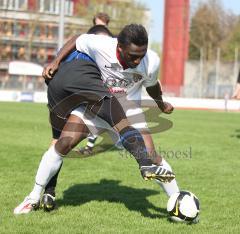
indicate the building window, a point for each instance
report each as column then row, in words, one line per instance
column 21, row 4
column 49, row 6
column 6, row 4
column 14, row 4
column 3, row 4
column 69, row 7
column 53, row 6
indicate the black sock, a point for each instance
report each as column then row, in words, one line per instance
column 50, row 187
column 133, row 142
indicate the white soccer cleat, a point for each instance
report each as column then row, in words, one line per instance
column 26, row 206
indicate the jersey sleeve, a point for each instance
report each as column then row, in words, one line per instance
column 88, row 43
column 152, row 68
column 83, row 43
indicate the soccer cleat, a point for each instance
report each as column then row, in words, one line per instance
column 157, row 172
column 26, row 206
column 48, row 202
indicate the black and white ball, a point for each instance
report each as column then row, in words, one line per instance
column 183, row 206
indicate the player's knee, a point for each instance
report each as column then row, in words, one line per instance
column 64, row 145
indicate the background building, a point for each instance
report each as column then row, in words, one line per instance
column 29, row 31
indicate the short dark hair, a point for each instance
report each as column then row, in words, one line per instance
column 98, row 29
column 133, row 33
column 102, row 16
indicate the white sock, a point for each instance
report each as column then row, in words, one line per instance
column 48, row 167
column 171, row 187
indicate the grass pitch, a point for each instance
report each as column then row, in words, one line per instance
column 105, row 194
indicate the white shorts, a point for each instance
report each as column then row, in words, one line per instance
column 97, row 125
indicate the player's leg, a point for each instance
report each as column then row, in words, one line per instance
column 95, row 125
column 51, row 161
column 58, row 92
column 48, row 198
column 170, row 187
column 111, row 111
column 137, row 119
column 74, row 131
column 90, row 79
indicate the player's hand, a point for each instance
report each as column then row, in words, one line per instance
column 50, row 70
column 166, row 107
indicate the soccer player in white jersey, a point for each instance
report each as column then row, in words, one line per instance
column 121, row 78
column 119, row 67
column 97, row 125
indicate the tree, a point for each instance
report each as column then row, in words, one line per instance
column 232, row 43
column 210, row 26
column 121, row 12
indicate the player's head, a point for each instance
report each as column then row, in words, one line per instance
column 100, row 30
column 101, row 19
column 132, row 44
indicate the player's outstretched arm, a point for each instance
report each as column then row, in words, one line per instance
column 155, row 92
column 51, row 68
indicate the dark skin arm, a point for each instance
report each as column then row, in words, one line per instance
column 51, row 68
column 155, row 92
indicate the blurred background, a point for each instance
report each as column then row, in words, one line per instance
column 198, row 41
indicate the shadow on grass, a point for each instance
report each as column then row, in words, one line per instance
column 99, row 148
column 236, row 134
column 111, row 191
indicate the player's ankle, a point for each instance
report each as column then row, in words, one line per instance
column 50, row 191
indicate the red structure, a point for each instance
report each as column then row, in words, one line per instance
column 175, row 45
column 32, row 5
column 81, row 2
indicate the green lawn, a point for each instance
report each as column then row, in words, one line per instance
column 105, row 194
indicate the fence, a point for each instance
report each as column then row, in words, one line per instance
column 209, row 79
column 202, row 80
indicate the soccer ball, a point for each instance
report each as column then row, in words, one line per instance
column 183, row 206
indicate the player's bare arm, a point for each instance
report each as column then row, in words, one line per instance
column 155, row 93
column 51, row 68
column 236, row 93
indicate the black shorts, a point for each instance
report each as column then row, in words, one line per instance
column 76, row 83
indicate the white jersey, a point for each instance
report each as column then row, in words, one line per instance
column 102, row 49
